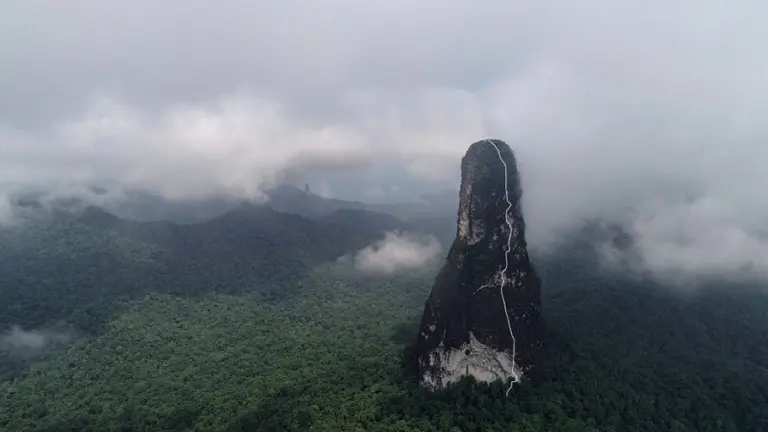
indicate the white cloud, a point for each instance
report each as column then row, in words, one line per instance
column 236, row 146
column 396, row 252
column 700, row 239
column 18, row 341
column 6, row 210
column 17, row 338
column 611, row 107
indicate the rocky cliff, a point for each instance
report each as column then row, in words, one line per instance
column 483, row 315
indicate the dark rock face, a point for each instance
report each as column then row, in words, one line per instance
column 466, row 329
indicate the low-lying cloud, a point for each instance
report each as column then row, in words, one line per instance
column 31, row 343
column 396, row 252
column 692, row 241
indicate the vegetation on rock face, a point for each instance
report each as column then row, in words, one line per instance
column 184, row 345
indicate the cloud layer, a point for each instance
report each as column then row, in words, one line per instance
column 649, row 113
column 397, row 252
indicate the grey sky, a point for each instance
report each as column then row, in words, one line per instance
column 657, row 107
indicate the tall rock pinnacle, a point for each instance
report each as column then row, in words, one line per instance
column 483, row 315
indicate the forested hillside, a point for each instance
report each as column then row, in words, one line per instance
column 81, row 268
column 169, row 338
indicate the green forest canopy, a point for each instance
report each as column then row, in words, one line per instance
column 196, row 348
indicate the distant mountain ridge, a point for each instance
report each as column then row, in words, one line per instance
column 253, row 228
column 97, row 258
column 434, row 214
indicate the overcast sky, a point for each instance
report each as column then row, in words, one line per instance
column 651, row 112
